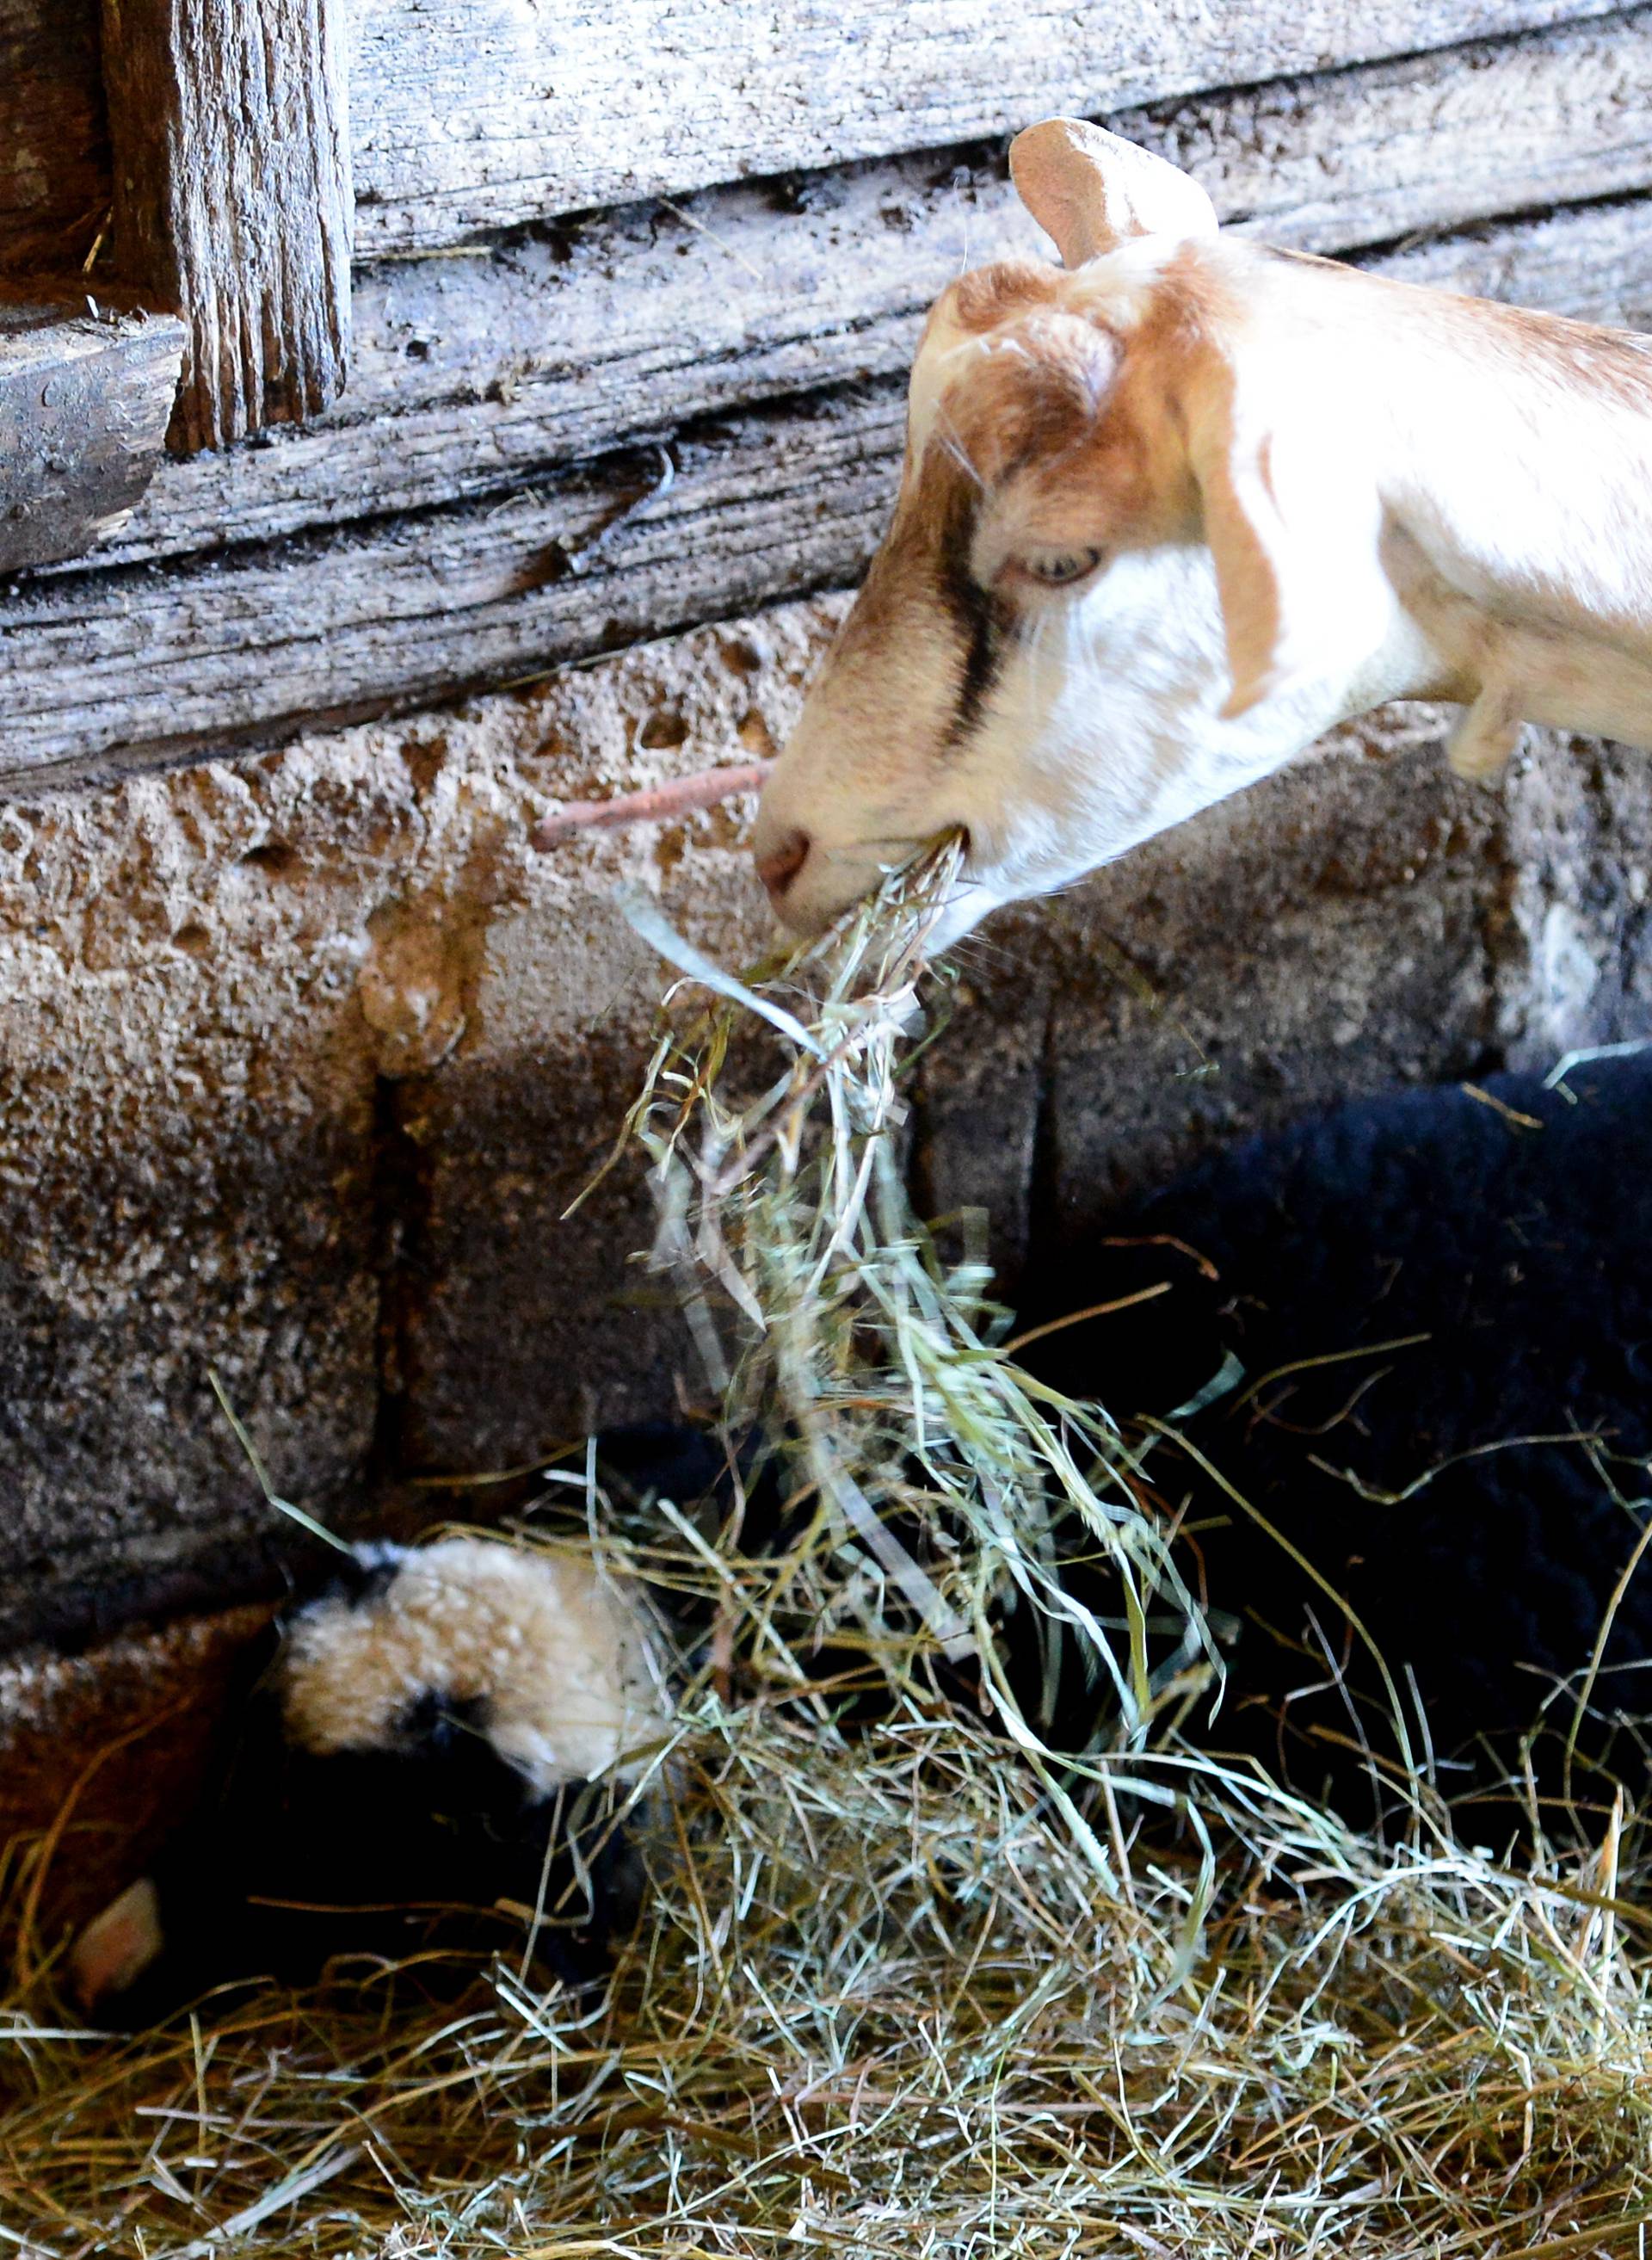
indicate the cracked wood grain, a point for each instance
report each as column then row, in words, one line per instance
column 233, row 198
column 86, row 388
column 110, row 671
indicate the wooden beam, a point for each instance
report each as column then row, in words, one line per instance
column 1346, row 158
column 113, row 669
column 472, row 115
column 233, row 198
column 109, row 671
column 86, row 390
column 457, row 132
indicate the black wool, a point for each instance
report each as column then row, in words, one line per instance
column 1412, row 1284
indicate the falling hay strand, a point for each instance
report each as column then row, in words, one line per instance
column 879, row 1364
column 909, row 1983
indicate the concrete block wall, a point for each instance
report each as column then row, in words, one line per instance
column 305, row 1052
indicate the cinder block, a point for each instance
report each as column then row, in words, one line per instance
column 301, row 1057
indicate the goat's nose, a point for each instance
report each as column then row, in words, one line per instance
column 783, row 862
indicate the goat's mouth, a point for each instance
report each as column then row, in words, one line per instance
column 823, row 880
column 963, row 910
column 935, row 843
column 973, row 895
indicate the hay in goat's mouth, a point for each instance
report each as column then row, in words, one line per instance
column 909, row 1983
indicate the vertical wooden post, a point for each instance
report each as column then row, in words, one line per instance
column 233, row 198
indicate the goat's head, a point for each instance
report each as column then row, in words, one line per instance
column 1122, row 580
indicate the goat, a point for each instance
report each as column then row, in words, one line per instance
column 1171, row 511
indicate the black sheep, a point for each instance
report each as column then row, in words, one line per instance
column 1498, row 1239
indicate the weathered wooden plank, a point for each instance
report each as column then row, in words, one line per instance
column 118, row 668
column 1595, row 264
column 139, row 662
column 478, row 114
column 472, row 373
column 54, row 174
column 1434, row 141
column 86, row 391
column 234, row 199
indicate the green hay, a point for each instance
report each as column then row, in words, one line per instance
column 908, row 1981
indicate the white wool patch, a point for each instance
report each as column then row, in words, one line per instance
column 556, row 1653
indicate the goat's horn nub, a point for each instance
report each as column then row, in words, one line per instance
column 1089, row 190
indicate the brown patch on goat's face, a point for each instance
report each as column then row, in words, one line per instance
column 1072, row 421
column 1047, row 423
column 1034, row 396
column 989, row 296
column 1036, row 437
column 977, row 303
column 925, row 639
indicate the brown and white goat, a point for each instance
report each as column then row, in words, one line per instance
column 1171, row 511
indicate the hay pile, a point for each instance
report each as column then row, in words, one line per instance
column 910, row 1982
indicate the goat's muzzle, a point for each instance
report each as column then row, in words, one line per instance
column 780, row 865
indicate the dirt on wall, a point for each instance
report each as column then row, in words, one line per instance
column 235, row 1003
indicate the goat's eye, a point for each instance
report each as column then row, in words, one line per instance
column 1053, row 569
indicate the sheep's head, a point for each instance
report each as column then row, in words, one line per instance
column 1112, row 592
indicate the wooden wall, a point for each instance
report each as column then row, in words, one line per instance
column 638, row 281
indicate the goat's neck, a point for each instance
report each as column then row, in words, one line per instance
column 1515, row 464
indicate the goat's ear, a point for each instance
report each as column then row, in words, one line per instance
column 1294, row 529
column 1089, row 190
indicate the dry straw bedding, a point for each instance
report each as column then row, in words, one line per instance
column 908, row 1981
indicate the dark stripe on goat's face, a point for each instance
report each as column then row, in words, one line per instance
column 979, row 619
